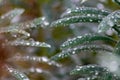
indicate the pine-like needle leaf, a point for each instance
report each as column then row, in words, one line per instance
column 76, row 50
column 17, row 74
column 7, row 30
column 83, row 11
column 29, row 24
column 94, row 72
column 109, row 21
column 88, row 69
column 76, row 19
column 20, row 42
column 25, row 25
column 36, row 59
column 85, row 39
column 11, row 14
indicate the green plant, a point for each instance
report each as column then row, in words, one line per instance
column 107, row 20
column 82, row 50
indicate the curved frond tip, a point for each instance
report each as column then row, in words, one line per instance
column 85, row 39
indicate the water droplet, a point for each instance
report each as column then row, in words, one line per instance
column 19, row 75
column 29, row 42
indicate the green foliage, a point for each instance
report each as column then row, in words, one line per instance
column 94, row 42
column 11, row 14
column 84, row 11
column 33, row 43
column 76, row 50
column 109, row 21
column 19, row 75
column 24, row 39
column 76, row 19
column 22, row 26
column 106, row 20
column 85, row 39
column 96, row 71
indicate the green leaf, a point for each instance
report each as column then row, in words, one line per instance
column 76, row 19
column 16, row 31
column 17, row 74
column 31, row 42
column 35, row 59
column 94, row 72
column 83, row 11
column 11, row 14
column 117, row 48
column 85, row 39
column 109, row 21
column 109, row 76
column 76, row 50
column 88, row 69
column 25, row 25
column 29, row 24
column 24, row 33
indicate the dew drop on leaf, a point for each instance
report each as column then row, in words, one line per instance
column 109, row 21
column 84, row 39
column 17, row 74
column 36, row 59
column 11, row 14
column 21, row 42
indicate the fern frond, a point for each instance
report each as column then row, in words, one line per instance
column 76, row 50
column 76, row 19
column 11, row 14
column 17, row 74
column 85, row 39
column 20, row 42
column 84, row 10
column 109, row 21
